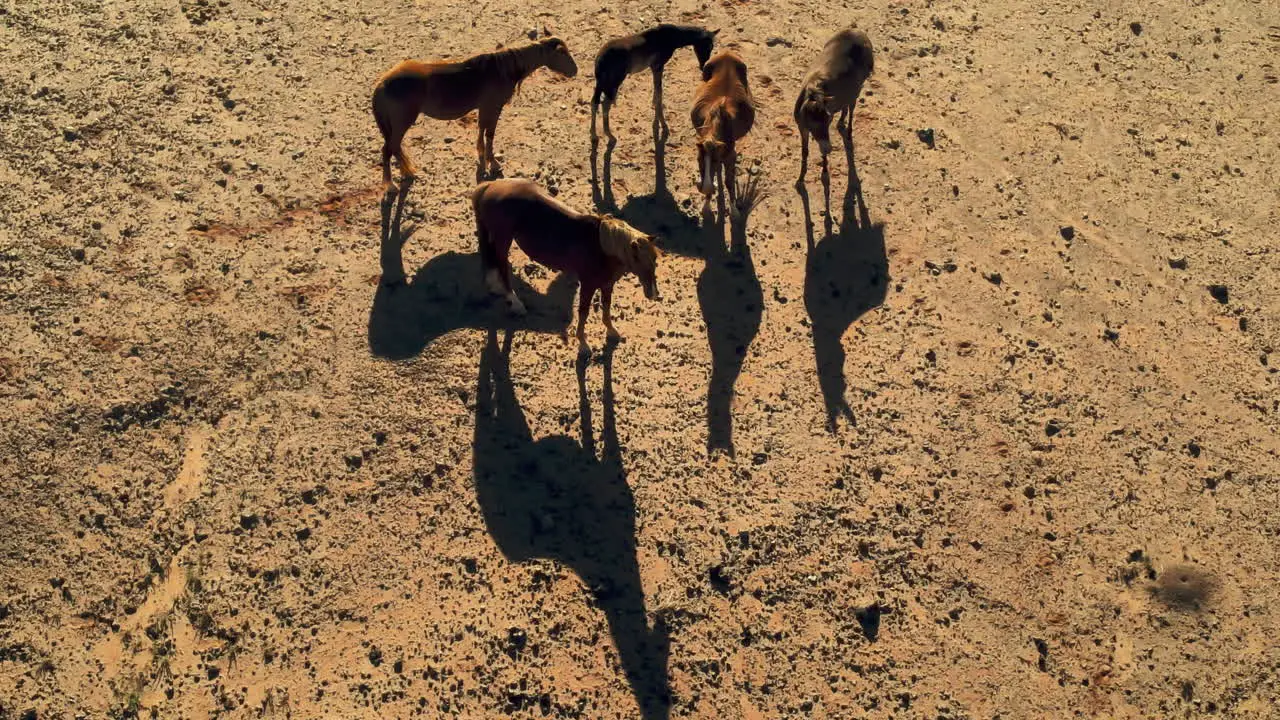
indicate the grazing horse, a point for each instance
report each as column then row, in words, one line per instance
column 632, row 54
column 599, row 249
column 450, row 90
column 833, row 84
column 723, row 112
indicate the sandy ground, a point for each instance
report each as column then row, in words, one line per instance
column 1007, row 447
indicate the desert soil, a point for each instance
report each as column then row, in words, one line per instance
column 1006, row 447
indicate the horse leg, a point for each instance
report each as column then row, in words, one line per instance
column 494, row 168
column 480, row 145
column 585, row 295
column 504, row 261
column 606, row 301
column 659, row 117
column 608, row 103
column 804, row 155
column 731, row 181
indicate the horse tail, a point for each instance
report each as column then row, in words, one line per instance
column 488, row 256
column 380, row 113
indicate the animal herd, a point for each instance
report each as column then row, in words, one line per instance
column 600, row 249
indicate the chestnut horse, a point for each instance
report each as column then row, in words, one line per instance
column 598, row 249
column 723, row 112
column 450, row 90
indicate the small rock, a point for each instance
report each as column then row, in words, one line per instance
column 926, row 137
column 1110, row 335
column 1193, row 449
column 249, row 521
column 1219, row 293
column 225, row 166
column 375, row 656
column 77, row 254
column 70, row 134
column 229, row 104
column 994, row 278
column 516, row 641
column 1178, row 263
column 1052, row 428
column 303, row 534
column 532, row 33
column 868, row 617
column 1136, row 28
column 776, row 41
column 1068, row 232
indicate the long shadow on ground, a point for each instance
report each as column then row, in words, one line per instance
column 447, row 294
column 553, row 498
column 729, row 293
column 846, row 275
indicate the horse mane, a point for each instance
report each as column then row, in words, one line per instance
column 616, row 237
column 509, row 64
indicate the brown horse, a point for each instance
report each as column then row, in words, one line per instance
column 833, row 85
column 598, row 249
column 650, row 49
column 450, row 90
column 723, row 112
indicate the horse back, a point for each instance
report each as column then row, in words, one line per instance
column 548, row 231
column 846, row 63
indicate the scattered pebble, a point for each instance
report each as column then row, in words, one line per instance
column 1219, row 293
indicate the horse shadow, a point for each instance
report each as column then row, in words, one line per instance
column 729, row 293
column 446, row 294
column 553, row 498
column 846, row 275
column 732, row 304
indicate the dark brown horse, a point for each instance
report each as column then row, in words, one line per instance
column 723, row 113
column 449, row 90
column 597, row 248
column 832, row 86
column 650, row 50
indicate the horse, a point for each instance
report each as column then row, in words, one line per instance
column 599, row 249
column 723, row 113
column 450, row 90
column 632, row 54
column 832, row 85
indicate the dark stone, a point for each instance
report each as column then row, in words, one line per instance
column 249, row 522
column 869, row 620
column 1136, row 28
column 1068, row 233
column 719, row 581
column 1219, row 293
column 926, row 137
column 1178, row 263
column 375, row 656
column 1052, row 428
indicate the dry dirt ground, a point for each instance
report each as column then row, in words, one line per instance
column 1007, row 448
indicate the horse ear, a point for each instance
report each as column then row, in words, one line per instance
column 714, row 33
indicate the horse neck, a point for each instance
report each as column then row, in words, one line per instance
column 525, row 60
